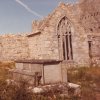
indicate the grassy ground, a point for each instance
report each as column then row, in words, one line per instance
column 19, row 92
column 89, row 79
column 4, row 67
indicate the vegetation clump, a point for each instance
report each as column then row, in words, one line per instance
column 89, row 79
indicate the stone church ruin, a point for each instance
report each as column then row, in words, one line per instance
column 70, row 34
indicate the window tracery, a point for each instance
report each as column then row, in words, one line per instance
column 65, row 39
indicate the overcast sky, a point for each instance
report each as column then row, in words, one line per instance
column 17, row 15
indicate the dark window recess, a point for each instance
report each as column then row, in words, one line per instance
column 58, row 36
column 90, row 49
column 67, row 45
column 64, row 56
column 91, row 29
column 99, row 27
column 71, row 47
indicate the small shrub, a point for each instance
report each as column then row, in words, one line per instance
column 22, row 92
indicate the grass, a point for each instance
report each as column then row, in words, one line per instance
column 4, row 67
column 88, row 78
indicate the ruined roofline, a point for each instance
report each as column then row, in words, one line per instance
column 41, row 22
column 16, row 34
column 33, row 34
column 60, row 5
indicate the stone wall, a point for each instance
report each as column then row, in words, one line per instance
column 13, row 47
column 90, row 15
column 53, row 74
column 84, row 17
column 49, row 35
column 95, row 50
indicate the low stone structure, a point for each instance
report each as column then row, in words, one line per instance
column 39, row 72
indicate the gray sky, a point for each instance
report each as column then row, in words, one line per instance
column 17, row 15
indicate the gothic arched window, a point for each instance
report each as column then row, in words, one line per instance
column 65, row 39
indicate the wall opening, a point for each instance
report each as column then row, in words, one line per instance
column 65, row 39
column 90, row 48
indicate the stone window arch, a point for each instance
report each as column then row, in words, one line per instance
column 64, row 34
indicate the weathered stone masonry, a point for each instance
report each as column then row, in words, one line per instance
column 13, row 47
column 70, row 33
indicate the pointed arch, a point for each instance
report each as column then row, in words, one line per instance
column 64, row 34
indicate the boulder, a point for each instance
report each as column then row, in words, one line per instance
column 76, row 87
